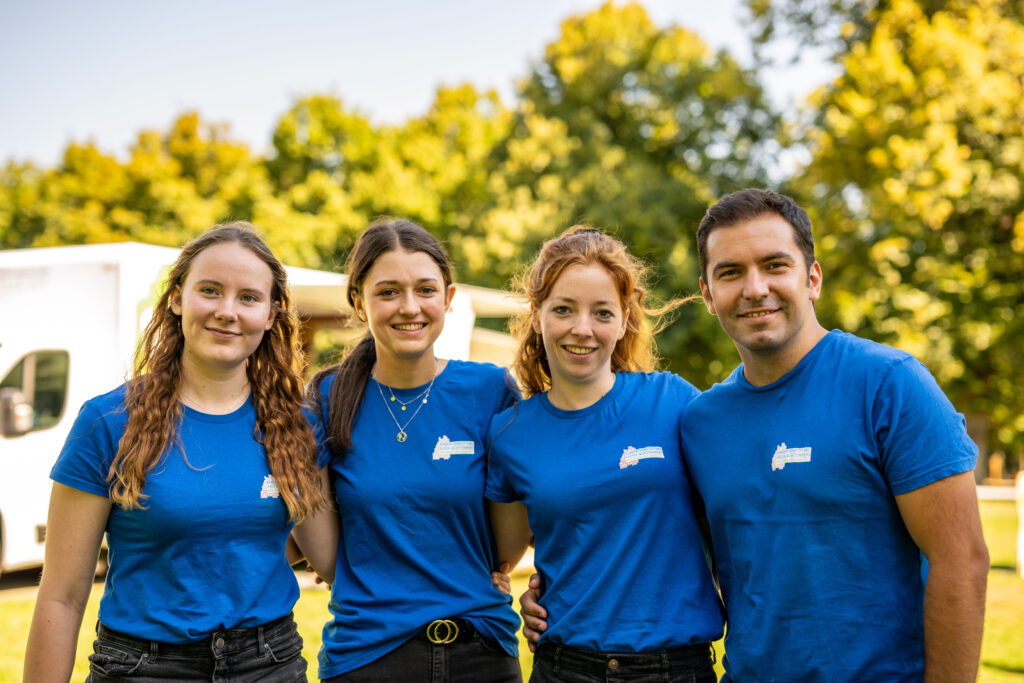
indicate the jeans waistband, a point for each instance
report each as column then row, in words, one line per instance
column 623, row 663
column 224, row 640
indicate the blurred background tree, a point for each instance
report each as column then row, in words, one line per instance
column 914, row 164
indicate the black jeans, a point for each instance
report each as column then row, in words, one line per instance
column 271, row 652
column 559, row 664
column 469, row 659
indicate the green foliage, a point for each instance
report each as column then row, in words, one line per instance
column 914, row 184
column 916, row 189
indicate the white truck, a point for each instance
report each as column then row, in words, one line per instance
column 70, row 318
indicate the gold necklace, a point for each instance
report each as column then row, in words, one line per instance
column 402, row 435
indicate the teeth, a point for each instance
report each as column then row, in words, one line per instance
column 409, row 326
column 759, row 314
column 580, row 350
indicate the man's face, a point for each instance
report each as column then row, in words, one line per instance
column 759, row 287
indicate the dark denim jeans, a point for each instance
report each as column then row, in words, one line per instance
column 474, row 659
column 559, row 664
column 271, row 652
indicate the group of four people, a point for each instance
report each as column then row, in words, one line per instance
column 826, row 466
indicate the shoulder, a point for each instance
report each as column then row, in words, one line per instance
column 864, row 350
column 108, row 406
column 478, row 378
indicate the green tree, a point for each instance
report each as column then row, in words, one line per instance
column 915, row 183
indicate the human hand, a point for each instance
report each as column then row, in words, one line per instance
column 501, row 579
column 533, row 614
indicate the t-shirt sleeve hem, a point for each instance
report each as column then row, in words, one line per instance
column 965, row 464
column 80, row 484
column 499, row 496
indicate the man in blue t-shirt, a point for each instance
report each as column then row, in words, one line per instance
column 828, row 465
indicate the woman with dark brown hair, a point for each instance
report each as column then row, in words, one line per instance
column 403, row 435
column 197, row 469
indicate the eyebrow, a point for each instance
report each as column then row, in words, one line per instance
column 396, row 282
column 572, row 301
column 774, row 256
column 218, row 283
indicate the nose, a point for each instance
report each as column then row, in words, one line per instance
column 226, row 309
column 408, row 304
column 581, row 325
column 755, row 285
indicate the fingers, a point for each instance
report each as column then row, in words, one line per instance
column 503, row 582
column 534, row 580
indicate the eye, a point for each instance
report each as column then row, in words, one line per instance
column 777, row 265
column 208, row 291
column 388, row 292
column 250, row 298
column 606, row 314
column 727, row 273
column 560, row 309
column 428, row 290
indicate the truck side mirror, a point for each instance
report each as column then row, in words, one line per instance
column 15, row 412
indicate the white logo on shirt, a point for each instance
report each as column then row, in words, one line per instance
column 631, row 456
column 784, row 455
column 445, row 448
column 269, row 489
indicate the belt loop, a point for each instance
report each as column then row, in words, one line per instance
column 262, row 644
column 558, row 657
column 154, row 650
column 666, row 664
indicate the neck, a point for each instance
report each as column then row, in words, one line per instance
column 405, row 373
column 567, row 395
column 763, row 369
column 212, row 390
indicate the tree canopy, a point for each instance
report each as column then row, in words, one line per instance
column 916, row 159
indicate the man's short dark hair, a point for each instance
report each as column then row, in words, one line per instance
column 749, row 204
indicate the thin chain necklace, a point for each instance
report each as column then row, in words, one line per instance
column 402, row 435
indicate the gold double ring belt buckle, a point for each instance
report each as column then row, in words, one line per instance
column 442, row 631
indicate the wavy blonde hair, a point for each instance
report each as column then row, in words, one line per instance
column 274, row 371
column 583, row 245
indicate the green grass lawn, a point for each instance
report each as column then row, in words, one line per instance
column 1002, row 656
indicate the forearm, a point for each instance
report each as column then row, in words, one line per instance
column 52, row 641
column 954, row 615
column 511, row 528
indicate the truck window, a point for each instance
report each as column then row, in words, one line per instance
column 43, row 377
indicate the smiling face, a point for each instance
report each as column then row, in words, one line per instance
column 580, row 323
column 762, row 291
column 225, row 306
column 403, row 299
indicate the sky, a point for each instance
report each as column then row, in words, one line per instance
column 103, row 70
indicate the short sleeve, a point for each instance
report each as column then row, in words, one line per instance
column 498, row 487
column 85, row 459
column 921, row 437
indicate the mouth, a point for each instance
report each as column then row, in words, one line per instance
column 755, row 315
column 578, row 351
column 408, row 327
column 223, row 334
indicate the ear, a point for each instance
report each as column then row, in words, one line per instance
column 358, row 307
column 271, row 318
column 175, row 300
column 535, row 319
column 624, row 327
column 449, row 294
column 814, row 281
column 705, row 292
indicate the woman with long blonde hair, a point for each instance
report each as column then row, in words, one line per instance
column 197, row 469
column 593, row 458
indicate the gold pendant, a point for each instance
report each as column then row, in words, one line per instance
column 401, row 436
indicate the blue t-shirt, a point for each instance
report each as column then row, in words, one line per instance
column 208, row 552
column 617, row 543
column 415, row 542
column 821, row 579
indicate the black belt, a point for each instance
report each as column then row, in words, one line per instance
column 233, row 639
column 601, row 663
column 446, row 631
